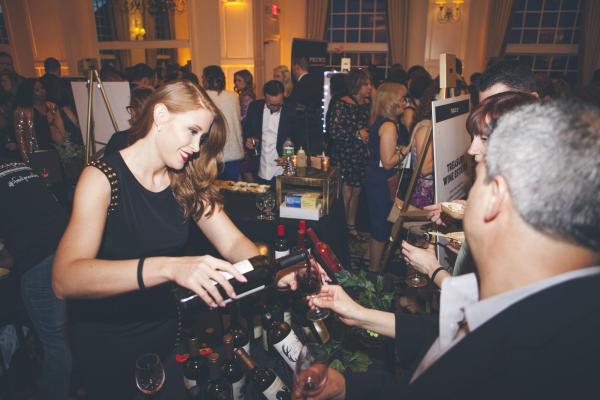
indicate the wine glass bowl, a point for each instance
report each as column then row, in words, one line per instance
column 260, row 206
column 309, row 284
column 149, row 374
column 310, row 375
column 269, row 205
column 416, row 236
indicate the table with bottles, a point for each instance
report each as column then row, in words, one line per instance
column 266, row 333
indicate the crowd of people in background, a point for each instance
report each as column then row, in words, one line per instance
column 374, row 128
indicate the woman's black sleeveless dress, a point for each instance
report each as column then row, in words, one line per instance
column 109, row 334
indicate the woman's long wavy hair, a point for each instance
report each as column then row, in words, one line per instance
column 192, row 186
column 387, row 98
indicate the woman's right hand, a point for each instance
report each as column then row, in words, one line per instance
column 198, row 273
column 337, row 300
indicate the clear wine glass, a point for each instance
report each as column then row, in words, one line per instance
column 309, row 284
column 269, row 202
column 310, row 376
column 260, row 205
column 417, row 236
column 149, row 374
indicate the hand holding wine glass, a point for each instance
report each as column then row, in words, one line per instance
column 334, row 298
column 309, row 281
column 149, row 374
column 416, row 236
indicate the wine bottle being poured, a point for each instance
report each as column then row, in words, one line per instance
column 259, row 271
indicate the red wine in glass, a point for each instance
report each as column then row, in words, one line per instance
column 418, row 237
column 309, row 284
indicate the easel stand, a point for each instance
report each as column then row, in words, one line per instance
column 447, row 77
column 90, row 149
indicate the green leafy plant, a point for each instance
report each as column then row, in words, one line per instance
column 341, row 358
column 366, row 292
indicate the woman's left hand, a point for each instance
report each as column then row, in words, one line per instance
column 423, row 260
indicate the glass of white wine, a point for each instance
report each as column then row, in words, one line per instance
column 149, row 374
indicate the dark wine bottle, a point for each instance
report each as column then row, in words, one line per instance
column 325, row 256
column 271, row 313
column 259, row 271
column 313, row 331
column 264, row 380
column 231, row 371
column 301, row 235
column 285, row 341
column 196, row 367
column 217, row 387
column 281, row 246
column 182, row 355
column 240, row 336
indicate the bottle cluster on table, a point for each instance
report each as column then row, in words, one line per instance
column 267, row 320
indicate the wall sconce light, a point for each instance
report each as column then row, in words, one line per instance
column 137, row 31
column 448, row 10
column 233, row 2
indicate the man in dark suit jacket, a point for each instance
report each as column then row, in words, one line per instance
column 307, row 98
column 528, row 325
column 267, row 124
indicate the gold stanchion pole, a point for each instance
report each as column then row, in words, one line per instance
column 90, row 140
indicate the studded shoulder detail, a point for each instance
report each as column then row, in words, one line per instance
column 111, row 175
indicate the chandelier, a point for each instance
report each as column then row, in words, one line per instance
column 448, row 10
column 154, row 7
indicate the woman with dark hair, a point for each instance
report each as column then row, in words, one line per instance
column 120, row 140
column 424, row 187
column 349, row 131
column 134, row 209
column 213, row 81
column 38, row 124
column 244, row 87
column 479, row 124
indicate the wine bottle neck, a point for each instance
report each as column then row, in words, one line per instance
column 246, row 360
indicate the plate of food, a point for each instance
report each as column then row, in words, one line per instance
column 454, row 210
column 455, row 239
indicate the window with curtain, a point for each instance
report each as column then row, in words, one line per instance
column 128, row 33
column 544, row 36
column 357, row 29
column 3, row 33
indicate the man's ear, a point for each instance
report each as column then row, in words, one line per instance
column 498, row 199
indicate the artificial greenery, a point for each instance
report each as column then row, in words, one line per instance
column 341, row 358
column 366, row 292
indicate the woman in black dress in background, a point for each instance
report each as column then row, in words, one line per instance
column 349, row 132
column 129, row 223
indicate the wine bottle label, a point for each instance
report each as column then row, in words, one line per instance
column 308, row 334
column 246, row 347
column 189, row 383
column 277, row 390
column 279, row 254
column 242, row 267
column 265, row 341
column 258, row 330
column 287, row 317
column 238, row 389
column 322, row 331
column 244, row 294
column 289, row 349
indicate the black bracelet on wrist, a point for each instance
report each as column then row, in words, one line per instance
column 437, row 271
column 140, row 278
